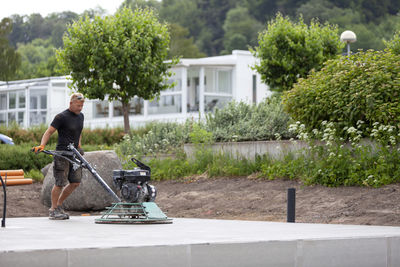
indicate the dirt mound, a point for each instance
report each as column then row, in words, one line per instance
column 244, row 198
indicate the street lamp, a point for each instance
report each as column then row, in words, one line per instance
column 348, row 37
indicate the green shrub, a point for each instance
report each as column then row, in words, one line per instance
column 31, row 135
column 289, row 50
column 364, row 87
column 21, row 157
column 161, row 138
column 106, row 136
column 36, row 175
column 244, row 122
column 227, row 166
column 168, row 169
column 394, row 44
column 335, row 163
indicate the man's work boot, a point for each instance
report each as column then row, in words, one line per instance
column 58, row 214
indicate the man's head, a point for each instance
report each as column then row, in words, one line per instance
column 76, row 103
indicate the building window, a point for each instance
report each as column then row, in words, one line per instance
column 177, row 85
column 21, row 99
column 12, row 100
column 3, row 101
column 136, row 106
column 38, row 106
column 166, row 104
column 100, row 109
column 3, row 120
column 37, row 117
column 13, row 107
column 193, row 90
column 224, row 79
column 219, row 81
column 218, row 90
column 212, row 102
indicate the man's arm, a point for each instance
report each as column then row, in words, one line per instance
column 46, row 136
column 80, row 144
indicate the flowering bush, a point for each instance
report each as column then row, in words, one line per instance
column 363, row 87
column 335, row 161
column 244, row 122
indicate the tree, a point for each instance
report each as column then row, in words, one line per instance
column 181, row 45
column 240, row 29
column 370, row 33
column 362, row 87
column 133, row 4
column 118, row 56
column 394, row 44
column 38, row 59
column 290, row 50
column 9, row 58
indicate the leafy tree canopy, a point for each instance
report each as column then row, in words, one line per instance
column 9, row 58
column 288, row 50
column 38, row 59
column 118, row 56
column 394, row 44
column 133, row 4
column 363, row 87
column 181, row 44
column 241, row 29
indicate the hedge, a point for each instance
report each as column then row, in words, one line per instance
column 363, row 87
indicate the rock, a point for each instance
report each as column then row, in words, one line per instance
column 90, row 195
column 45, row 169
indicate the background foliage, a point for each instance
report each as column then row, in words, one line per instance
column 394, row 44
column 289, row 50
column 33, row 135
column 10, row 60
column 364, row 87
column 120, row 56
column 244, row 122
column 215, row 27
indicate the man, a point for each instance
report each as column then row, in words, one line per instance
column 69, row 125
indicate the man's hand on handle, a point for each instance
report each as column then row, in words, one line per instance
column 38, row 149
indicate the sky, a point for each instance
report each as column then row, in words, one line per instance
column 45, row 7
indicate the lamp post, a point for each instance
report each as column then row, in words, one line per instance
column 348, row 37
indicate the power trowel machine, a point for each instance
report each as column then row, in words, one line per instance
column 138, row 196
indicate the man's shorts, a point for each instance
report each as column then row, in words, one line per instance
column 63, row 172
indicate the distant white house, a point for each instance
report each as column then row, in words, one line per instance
column 200, row 86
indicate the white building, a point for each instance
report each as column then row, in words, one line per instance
column 200, row 86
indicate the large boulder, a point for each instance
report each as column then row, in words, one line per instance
column 90, row 195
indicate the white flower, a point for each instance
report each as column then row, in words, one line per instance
column 351, row 130
column 315, row 131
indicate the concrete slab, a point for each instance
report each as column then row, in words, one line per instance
column 195, row 242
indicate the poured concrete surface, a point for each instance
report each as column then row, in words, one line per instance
column 195, row 242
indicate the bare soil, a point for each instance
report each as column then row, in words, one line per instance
column 245, row 198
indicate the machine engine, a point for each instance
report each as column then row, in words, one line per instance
column 134, row 184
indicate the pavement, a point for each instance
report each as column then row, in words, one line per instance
column 79, row 241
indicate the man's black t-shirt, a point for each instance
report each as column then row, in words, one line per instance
column 69, row 127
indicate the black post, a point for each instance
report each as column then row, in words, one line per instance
column 291, row 205
column 3, row 183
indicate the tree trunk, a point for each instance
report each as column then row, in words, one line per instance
column 125, row 110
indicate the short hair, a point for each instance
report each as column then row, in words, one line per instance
column 77, row 96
